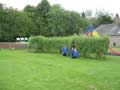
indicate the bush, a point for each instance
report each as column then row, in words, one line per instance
column 50, row 45
column 87, row 46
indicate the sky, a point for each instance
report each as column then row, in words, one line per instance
column 112, row 6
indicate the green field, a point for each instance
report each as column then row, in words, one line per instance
column 21, row 70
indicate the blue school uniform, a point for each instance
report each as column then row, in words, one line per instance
column 74, row 54
column 65, row 51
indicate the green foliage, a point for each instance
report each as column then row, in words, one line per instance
column 105, row 19
column 44, row 44
column 24, row 25
column 56, row 21
column 92, row 47
column 31, row 11
column 41, row 18
column 46, row 20
column 102, row 17
column 87, row 46
column 84, row 22
column 1, row 6
column 15, row 24
column 63, row 23
column 43, row 8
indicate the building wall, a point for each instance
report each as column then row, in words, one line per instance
column 114, row 41
column 12, row 45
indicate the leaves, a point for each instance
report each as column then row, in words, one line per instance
column 88, row 47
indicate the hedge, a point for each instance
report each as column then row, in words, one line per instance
column 87, row 46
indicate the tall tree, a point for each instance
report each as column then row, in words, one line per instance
column 1, row 20
column 15, row 24
column 1, row 6
column 102, row 17
column 83, row 15
column 56, row 21
column 63, row 22
column 42, row 14
column 24, row 25
column 31, row 11
column 43, row 8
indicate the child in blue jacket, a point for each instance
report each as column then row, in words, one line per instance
column 65, row 51
column 74, row 53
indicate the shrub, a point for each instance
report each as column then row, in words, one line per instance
column 87, row 46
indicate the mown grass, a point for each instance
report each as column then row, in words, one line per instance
column 21, row 70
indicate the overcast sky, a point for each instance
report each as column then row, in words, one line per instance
column 112, row 6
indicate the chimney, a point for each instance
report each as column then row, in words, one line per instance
column 117, row 19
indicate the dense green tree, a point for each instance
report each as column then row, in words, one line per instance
column 105, row 19
column 24, row 25
column 46, row 20
column 7, row 21
column 102, row 17
column 1, row 6
column 56, row 20
column 31, row 11
column 41, row 18
column 84, row 22
column 72, row 22
column 15, row 24
column 83, row 15
column 1, row 19
column 63, row 22
column 43, row 8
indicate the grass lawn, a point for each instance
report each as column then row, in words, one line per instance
column 20, row 70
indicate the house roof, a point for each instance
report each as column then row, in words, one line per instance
column 108, row 29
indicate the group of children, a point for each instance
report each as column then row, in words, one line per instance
column 65, row 51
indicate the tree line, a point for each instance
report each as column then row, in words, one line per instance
column 45, row 20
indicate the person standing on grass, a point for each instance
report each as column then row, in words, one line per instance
column 65, row 51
